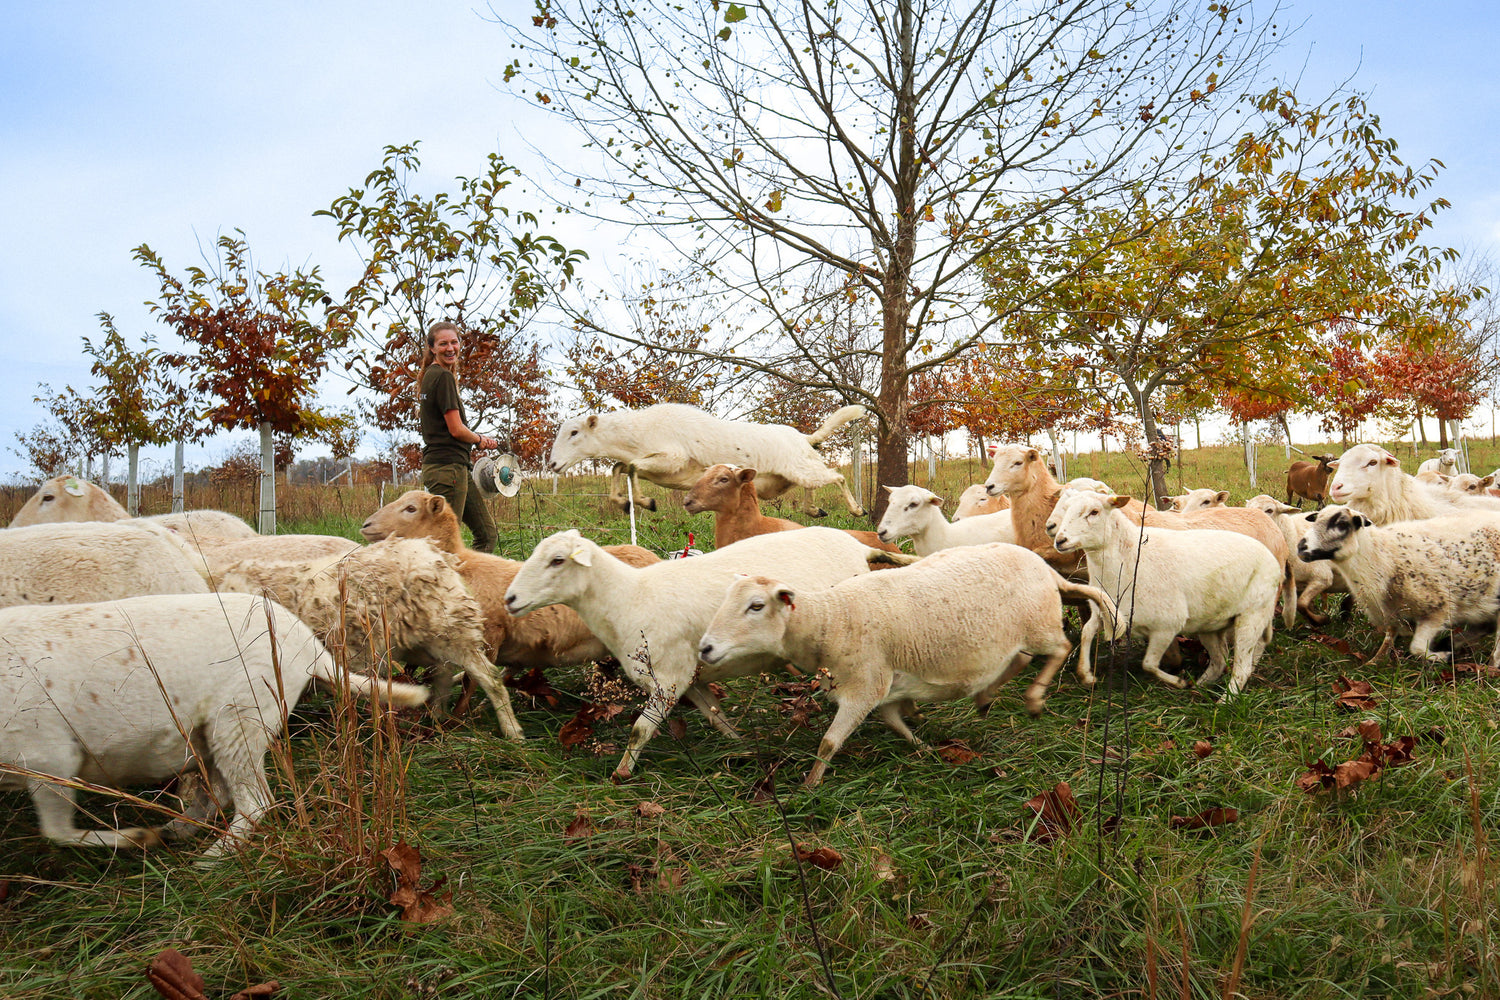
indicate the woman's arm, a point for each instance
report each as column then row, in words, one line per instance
column 461, row 433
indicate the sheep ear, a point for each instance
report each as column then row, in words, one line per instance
column 1310, row 517
column 436, row 504
column 1392, row 460
column 889, row 489
column 936, row 501
column 592, row 421
column 1487, row 480
column 786, row 596
column 1118, row 501
column 582, row 555
column 1445, row 480
column 746, row 475
column 1360, row 521
column 73, row 486
column 1221, row 497
column 1032, row 455
column 1334, row 464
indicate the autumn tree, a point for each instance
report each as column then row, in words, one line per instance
column 465, row 257
column 47, row 447
column 893, row 143
column 260, row 341
column 1304, row 222
column 1345, row 386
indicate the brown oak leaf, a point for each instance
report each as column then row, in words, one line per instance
column 956, row 752
column 418, row 905
column 1203, row 748
column 1354, row 695
column 173, row 977
column 581, row 826
column 534, row 683
column 1205, row 820
column 825, row 858
column 649, row 810
column 1057, row 811
column 257, row 991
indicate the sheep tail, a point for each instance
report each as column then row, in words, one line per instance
column 1102, row 602
column 880, row 557
column 836, row 419
column 392, row 693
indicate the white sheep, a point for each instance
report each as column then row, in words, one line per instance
column 218, row 555
column 398, row 598
column 135, row 691
column 211, row 523
column 1087, row 485
column 957, row 624
column 976, row 500
column 652, row 617
column 1313, row 578
column 86, row 561
column 672, row 444
column 917, row 513
column 1436, row 573
column 1194, row 501
column 1204, row 582
column 1369, row 479
column 68, row 498
column 1445, row 464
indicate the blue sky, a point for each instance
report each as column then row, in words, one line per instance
column 169, row 123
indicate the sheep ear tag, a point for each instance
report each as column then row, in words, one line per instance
column 582, row 556
column 73, row 487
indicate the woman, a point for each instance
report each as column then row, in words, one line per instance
column 446, row 438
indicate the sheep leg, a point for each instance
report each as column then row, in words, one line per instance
column 55, row 809
column 1036, row 694
column 1421, row 640
column 1157, row 643
column 849, row 501
column 1288, row 597
column 1387, row 646
column 1250, row 635
column 984, row 699
column 1086, row 650
column 483, row 673
column 1310, row 593
column 809, row 505
column 890, row 714
column 658, row 703
column 854, row 705
column 708, row 703
column 617, row 495
column 1217, row 645
column 238, row 745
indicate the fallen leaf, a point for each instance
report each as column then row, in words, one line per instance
column 649, row 810
column 1461, row 670
column 581, row 827
column 534, row 683
column 919, row 922
column 1437, row 734
column 257, row 991
column 1057, row 810
column 884, row 868
column 1353, row 772
column 955, row 752
column 418, row 905
column 173, row 977
column 1206, row 820
column 1319, row 775
column 764, row 790
column 677, row 727
column 1203, row 748
column 1339, row 645
column 1166, row 745
column 580, row 728
column 825, row 858
column 1354, row 695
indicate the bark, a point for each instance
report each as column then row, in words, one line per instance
column 267, row 524
column 177, row 498
column 132, row 480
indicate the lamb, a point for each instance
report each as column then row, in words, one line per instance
column 1468, row 483
column 548, row 637
column 729, row 493
column 1313, row 578
column 1445, row 464
column 68, row 498
column 671, row 444
column 138, row 690
column 1369, row 479
column 1309, row 480
column 652, row 618
column 398, row 598
column 1436, row 573
column 976, row 500
column 958, row 624
column 1207, row 583
column 915, row 513
column 1204, row 508
column 94, row 561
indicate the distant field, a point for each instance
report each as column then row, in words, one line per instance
column 946, row 885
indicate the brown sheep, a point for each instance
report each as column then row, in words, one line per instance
column 1309, row 480
column 548, row 637
column 729, row 492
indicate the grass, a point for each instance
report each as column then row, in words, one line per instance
column 1385, row 891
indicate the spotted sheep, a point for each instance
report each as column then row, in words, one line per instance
column 1435, row 573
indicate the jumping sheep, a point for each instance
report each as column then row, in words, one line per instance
column 139, row 690
column 671, row 444
column 958, row 624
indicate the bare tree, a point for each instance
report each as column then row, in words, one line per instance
column 894, row 141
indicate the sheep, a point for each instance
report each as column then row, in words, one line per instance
column 138, row 690
column 976, row 500
column 68, row 498
column 548, row 637
column 1445, row 464
column 671, row 444
column 218, row 555
column 1087, row 485
column 399, row 597
column 958, row 624
column 1313, row 578
column 87, row 561
column 1204, row 508
column 1437, row 573
column 1196, row 500
column 729, row 493
column 1208, row 583
column 652, row 618
column 1468, row 483
column 1309, row 480
column 1369, row 479
column 915, row 513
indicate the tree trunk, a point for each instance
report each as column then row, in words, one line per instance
column 177, row 477
column 1286, row 433
column 267, row 524
column 931, row 463
column 1421, row 427
column 1158, row 466
column 104, row 471
column 1442, row 433
column 1057, row 459
column 132, row 480
column 856, row 464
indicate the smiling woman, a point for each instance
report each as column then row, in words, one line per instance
column 447, row 441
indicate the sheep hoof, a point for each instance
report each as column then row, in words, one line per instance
column 649, row 503
column 817, row 512
column 619, row 776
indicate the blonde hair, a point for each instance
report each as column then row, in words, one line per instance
column 429, row 355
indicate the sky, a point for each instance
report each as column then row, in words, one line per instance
column 170, row 123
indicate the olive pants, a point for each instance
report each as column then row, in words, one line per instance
column 455, row 484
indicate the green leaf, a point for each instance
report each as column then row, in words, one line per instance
column 734, row 14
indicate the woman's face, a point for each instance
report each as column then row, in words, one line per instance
column 445, row 348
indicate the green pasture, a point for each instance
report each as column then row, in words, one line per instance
column 936, row 881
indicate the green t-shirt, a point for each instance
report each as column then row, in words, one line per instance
column 439, row 395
